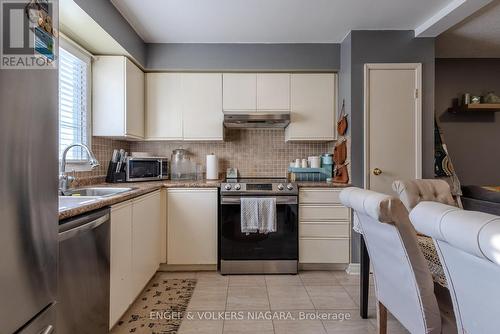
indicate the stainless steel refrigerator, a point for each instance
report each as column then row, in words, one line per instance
column 28, row 200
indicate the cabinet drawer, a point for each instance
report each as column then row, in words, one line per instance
column 319, row 196
column 326, row 229
column 320, row 212
column 317, row 250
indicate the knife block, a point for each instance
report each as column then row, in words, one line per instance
column 112, row 176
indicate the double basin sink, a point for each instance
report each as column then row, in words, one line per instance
column 77, row 197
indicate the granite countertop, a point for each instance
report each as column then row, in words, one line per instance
column 141, row 188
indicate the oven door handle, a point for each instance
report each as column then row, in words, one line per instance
column 279, row 200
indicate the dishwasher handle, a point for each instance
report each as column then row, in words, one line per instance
column 93, row 223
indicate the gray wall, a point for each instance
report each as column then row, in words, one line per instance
column 361, row 47
column 110, row 19
column 243, row 57
column 473, row 138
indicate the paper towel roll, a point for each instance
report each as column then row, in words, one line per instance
column 212, row 167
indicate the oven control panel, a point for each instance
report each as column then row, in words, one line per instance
column 260, row 188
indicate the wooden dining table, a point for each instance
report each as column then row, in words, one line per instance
column 430, row 254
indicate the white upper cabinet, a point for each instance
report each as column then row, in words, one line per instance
column 184, row 106
column 240, row 91
column 313, row 99
column 256, row 92
column 164, row 106
column 202, row 106
column 273, row 91
column 118, row 98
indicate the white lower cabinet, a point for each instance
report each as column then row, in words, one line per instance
column 135, row 250
column 324, row 227
column 120, row 291
column 191, row 226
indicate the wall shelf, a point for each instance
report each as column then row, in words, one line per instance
column 492, row 107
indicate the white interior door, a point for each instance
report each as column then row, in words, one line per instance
column 393, row 117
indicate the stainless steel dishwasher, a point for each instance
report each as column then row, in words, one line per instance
column 83, row 290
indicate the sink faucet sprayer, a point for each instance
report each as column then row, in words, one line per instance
column 66, row 180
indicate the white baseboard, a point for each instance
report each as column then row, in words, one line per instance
column 353, row 269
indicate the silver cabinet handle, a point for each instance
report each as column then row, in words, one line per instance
column 48, row 330
column 279, row 200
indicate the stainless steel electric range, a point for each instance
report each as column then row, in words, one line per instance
column 256, row 253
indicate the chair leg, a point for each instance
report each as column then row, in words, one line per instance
column 381, row 318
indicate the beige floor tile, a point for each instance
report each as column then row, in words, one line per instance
column 318, row 278
column 201, row 326
column 393, row 325
column 208, row 298
column 283, row 280
column 211, row 278
column 298, row 327
column 349, row 327
column 247, row 280
column 330, row 297
column 177, row 274
column 346, row 279
column 353, row 291
column 248, row 326
column 290, row 297
column 247, row 298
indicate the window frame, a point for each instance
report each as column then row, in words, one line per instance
column 77, row 51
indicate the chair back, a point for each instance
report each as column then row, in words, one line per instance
column 468, row 244
column 403, row 282
column 412, row 192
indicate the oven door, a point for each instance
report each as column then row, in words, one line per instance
column 145, row 169
column 279, row 245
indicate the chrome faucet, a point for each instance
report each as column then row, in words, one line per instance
column 66, row 180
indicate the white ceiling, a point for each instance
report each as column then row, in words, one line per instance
column 270, row 21
column 478, row 36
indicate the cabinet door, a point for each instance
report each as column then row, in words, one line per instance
column 202, row 106
column 273, row 91
column 135, row 100
column 312, row 107
column 108, row 96
column 192, row 226
column 239, row 91
column 146, row 239
column 120, row 261
column 163, row 106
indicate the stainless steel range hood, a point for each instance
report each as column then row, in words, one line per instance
column 256, row 120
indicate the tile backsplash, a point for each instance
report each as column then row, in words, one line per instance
column 255, row 152
column 103, row 149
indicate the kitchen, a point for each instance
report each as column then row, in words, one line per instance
column 201, row 162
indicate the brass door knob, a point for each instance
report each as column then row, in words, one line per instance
column 377, row 171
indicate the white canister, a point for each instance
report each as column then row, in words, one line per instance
column 304, row 163
column 297, row 163
column 212, row 167
column 315, row 162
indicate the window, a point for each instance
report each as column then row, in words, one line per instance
column 74, row 97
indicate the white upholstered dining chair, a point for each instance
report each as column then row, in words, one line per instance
column 468, row 244
column 412, row 192
column 403, row 282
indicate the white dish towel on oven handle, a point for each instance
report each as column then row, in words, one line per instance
column 258, row 215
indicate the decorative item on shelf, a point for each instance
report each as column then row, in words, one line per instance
column 491, row 98
column 475, row 99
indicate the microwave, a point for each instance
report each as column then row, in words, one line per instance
column 146, row 169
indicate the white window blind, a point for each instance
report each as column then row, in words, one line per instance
column 74, row 90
